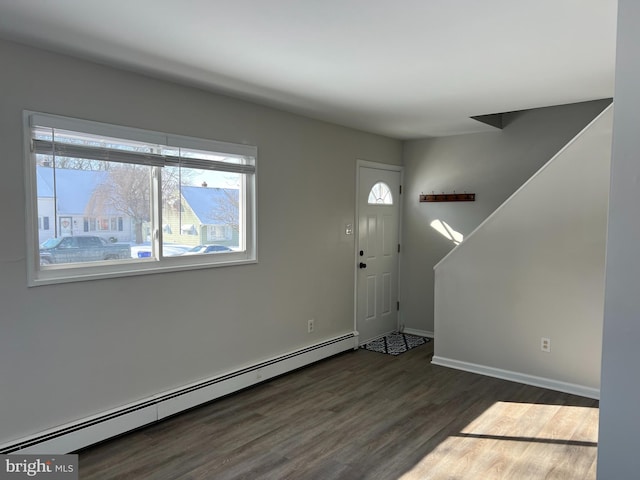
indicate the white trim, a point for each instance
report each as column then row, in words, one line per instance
column 31, row 203
column 524, row 185
column 518, row 377
column 128, row 268
column 420, row 333
column 62, row 122
column 64, row 273
column 356, row 340
column 379, row 166
column 138, row 134
column 400, row 241
column 356, row 232
column 96, row 428
column 232, row 149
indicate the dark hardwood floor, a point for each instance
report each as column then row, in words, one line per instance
column 365, row 415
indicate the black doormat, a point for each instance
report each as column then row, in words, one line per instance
column 395, row 343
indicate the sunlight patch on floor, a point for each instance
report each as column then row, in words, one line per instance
column 524, row 441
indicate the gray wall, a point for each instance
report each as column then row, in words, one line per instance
column 533, row 269
column 492, row 165
column 71, row 350
column 620, row 392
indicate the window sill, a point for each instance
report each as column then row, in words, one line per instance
column 55, row 274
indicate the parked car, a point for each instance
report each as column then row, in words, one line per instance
column 82, row 248
column 202, row 249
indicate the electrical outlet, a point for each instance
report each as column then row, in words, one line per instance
column 310, row 325
column 545, row 344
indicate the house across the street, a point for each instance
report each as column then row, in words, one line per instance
column 70, row 203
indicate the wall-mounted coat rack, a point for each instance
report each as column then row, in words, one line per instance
column 448, row 197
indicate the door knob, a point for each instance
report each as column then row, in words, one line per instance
column 363, row 265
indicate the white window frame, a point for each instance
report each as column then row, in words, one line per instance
column 62, row 273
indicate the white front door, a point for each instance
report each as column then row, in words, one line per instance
column 66, row 226
column 377, row 251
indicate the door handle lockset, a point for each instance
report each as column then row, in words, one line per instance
column 363, row 265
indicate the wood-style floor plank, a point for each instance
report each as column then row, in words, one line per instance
column 365, row 415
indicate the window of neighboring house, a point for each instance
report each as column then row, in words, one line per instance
column 218, row 233
column 89, row 224
column 119, row 176
column 43, row 223
column 108, row 224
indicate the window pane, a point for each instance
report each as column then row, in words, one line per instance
column 201, row 207
column 87, row 199
column 380, row 194
column 96, row 198
column 208, row 160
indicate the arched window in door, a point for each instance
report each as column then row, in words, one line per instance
column 380, row 194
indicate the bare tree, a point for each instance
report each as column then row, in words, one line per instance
column 126, row 189
column 227, row 210
column 71, row 163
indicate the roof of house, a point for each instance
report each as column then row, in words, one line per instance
column 74, row 189
column 212, row 206
column 44, row 181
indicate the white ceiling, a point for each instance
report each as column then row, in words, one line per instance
column 402, row 68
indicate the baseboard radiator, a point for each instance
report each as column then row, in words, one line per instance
column 88, row 431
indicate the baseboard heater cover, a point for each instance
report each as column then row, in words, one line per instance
column 88, row 431
column 518, row 377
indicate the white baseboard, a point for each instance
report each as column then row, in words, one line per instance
column 549, row 383
column 82, row 433
column 420, row 333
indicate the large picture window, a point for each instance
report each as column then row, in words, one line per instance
column 125, row 201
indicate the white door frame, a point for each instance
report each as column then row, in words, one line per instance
column 356, row 257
